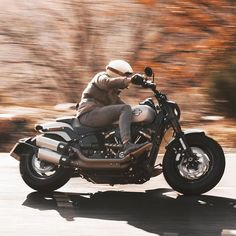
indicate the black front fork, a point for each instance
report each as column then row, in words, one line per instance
column 180, row 136
column 172, row 120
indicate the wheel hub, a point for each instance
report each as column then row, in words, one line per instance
column 194, row 167
column 42, row 167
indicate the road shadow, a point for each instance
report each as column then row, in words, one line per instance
column 153, row 211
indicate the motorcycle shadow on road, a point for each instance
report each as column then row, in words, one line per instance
column 153, row 211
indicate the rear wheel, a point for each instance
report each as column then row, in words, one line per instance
column 196, row 175
column 41, row 175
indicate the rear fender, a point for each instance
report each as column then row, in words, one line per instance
column 23, row 148
column 61, row 129
column 64, row 135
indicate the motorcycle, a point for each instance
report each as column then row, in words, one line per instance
column 193, row 163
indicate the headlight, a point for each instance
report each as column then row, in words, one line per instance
column 175, row 108
column 176, row 112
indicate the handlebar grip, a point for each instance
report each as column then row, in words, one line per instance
column 137, row 79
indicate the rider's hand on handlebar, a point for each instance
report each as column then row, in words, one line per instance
column 136, row 79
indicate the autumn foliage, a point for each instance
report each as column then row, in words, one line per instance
column 51, row 48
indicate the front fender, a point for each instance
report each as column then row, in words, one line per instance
column 23, row 147
column 188, row 132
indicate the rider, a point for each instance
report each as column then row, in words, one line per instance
column 101, row 105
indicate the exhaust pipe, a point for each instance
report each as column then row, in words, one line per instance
column 56, row 152
column 81, row 161
column 51, row 144
column 53, row 157
column 84, row 162
column 51, row 150
column 49, row 156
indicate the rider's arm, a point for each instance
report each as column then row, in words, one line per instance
column 106, row 83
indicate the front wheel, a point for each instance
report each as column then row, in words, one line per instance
column 196, row 176
column 41, row 175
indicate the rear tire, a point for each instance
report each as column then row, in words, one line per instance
column 208, row 171
column 41, row 181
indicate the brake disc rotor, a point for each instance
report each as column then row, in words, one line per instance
column 197, row 168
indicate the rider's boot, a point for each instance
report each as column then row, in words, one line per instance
column 134, row 149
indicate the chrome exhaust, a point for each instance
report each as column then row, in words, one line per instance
column 51, row 150
column 57, row 153
column 123, row 163
column 49, row 156
column 51, row 144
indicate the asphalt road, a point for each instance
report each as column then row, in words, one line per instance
column 83, row 209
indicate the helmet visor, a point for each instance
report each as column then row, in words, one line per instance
column 118, row 72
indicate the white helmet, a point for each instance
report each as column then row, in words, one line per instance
column 118, row 68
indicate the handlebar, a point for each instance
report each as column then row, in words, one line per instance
column 143, row 81
column 148, row 84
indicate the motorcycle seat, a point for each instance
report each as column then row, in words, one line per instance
column 70, row 120
column 77, row 126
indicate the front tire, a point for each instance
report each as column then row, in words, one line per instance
column 202, row 175
column 43, row 176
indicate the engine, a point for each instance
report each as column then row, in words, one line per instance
column 104, row 145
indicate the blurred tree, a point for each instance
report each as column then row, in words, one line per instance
column 51, row 48
column 223, row 83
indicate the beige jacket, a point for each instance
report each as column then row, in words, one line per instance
column 101, row 91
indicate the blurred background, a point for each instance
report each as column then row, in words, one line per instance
column 50, row 49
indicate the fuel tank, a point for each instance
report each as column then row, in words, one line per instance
column 143, row 113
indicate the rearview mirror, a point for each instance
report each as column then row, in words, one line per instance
column 148, row 71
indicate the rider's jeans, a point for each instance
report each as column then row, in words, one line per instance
column 104, row 116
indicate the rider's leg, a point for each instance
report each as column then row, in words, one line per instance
column 104, row 116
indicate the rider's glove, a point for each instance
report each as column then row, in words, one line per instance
column 137, row 79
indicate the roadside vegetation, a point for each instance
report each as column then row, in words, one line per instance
column 223, row 86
